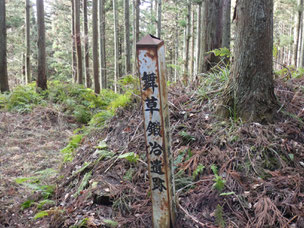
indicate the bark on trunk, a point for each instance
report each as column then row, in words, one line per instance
column 192, row 44
column 136, row 12
column 250, row 92
column 74, row 61
column 95, row 47
column 226, row 23
column 216, row 29
column 187, row 40
column 41, row 79
column 28, row 42
column 159, row 17
column 86, row 43
column 297, row 32
column 198, row 40
column 3, row 56
column 102, row 43
column 176, row 53
column 127, row 38
column 78, row 41
column 116, row 51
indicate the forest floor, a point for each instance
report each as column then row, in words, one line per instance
column 30, row 149
column 259, row 178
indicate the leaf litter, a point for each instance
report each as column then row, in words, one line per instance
column 259, row 168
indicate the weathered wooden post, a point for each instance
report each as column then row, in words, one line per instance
column 152, row 71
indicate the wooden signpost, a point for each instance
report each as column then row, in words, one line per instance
column 152, row 72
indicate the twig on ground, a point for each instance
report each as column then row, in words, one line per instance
column 122, row 152
column 194, row 219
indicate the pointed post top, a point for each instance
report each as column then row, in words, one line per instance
column 149, row 40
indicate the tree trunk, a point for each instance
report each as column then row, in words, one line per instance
column 28, row 42
column 159, row 17
column 3, row 59
column 95, row 46
column 74, row 61
column 41, row 79
column 102, row 43
column 198, row 40
column 297, row 32
column 127, row 38
column 86, row 43
column 78, row 41
column 187, row 40
column 136, row 11
column 250, row 92
column 192, row 44
column 226, row 23
column 176, row 52
column 116, row 51
column 216, row 30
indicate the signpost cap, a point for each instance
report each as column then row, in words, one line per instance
column 150, row 40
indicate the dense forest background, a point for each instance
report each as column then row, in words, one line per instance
column 176, row 23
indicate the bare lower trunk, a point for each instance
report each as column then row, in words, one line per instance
column 3, row 57
column 41, row 79
column 297, row 32
column 78, row 41
column 198, row 41
column 187, row 40
column 102, row 44
column 250, row 92
column 116, row 51
column 86, row 43
column 127, row 38
column 192, row 45
column 95, row 47
column 74, row 61
column 159, row 17
column 28, row 42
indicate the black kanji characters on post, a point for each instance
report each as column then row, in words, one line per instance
column 149, row 81
column 151, row 104
column 158, row 184
column 154, row 128
column 156, row 149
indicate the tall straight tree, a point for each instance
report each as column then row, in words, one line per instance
column 116, row 51
column 226, row 21
column 214, row 23
column 41, row 79
column 187, row 39
column 297, row 31
column 159, row 17
column 78, row 41
column 127, row 37
column 176, row 43
column 102, row 43
column 95, row 46
column 3, row 59
column 198, row 39
column 74, row 61
column 28, row 42
column 136, row 12
column 192, row 43
column 86, row 42
column 250, row 91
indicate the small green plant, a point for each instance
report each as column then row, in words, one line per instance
column 110, row 223
column 131, row 157
column 84, row 183
column 69, row 149
column 199, row 169
column 187, row 137
column 41, row 214
column 219, row 182
column 27, row 204
column 219, row 218
column 223, row 52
